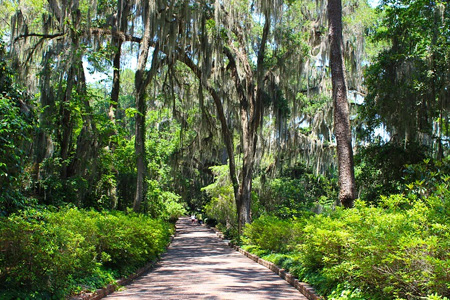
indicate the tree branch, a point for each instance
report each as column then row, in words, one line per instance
column 94, row 31
column 258, row 116
column 117, row 34
column 227, row 136
column 43, row 36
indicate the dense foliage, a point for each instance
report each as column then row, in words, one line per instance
column 408, row 83
column 49, row 253
column 16, row 128
column 398, row 250
column 381, row 168
column 295, row 193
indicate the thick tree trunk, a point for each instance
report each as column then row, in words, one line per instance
column 248, row 115
column 141, row 164
column 66, row 126
column 341, row 107
column 122, row 24
column 140, row 138
column 251, row 116
column 44, row 143
column 85, row 163
column 141, row 81
column 250, row 104
column 113, row 105
column 243, row 200
column 139, row 85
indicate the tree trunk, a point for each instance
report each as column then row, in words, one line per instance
column 66, row 126
column 141, row 81
column 250, row 104
column 140, row 138
column 122, row 24
column 251, row 111
column 140, row 150
column 85, row 163
column 341, row 107
column 113, row 105
column 243, row 200
column 226, row 133
column 44, row 144
column 140, row 115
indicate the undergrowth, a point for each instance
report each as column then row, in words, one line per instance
column 399, row 249
column 51, row 254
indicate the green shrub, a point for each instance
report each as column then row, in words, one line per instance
column 128, row 241
column 388, row 252
column 398, row 250
column 172, row 207
column 47, row 254
column 163, row 204
column 269, row 233
column 39, row 257
column 222, row 206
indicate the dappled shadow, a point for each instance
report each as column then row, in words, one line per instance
column 198, row 265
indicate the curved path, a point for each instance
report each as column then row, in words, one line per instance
column 198, row 265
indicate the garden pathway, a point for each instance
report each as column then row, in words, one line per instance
column 199, row 265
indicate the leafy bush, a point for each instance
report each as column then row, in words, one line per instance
column 427, row 177
column 35, row 256
column 222, row 206
column 173, row 209
column 269, row 233
column 163, row 204
column 128, row 242
column 398, row 250
column 48, row 254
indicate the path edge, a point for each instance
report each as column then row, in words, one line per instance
column 111, row 288
column 307, row 290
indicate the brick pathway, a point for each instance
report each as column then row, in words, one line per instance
column 198, row 265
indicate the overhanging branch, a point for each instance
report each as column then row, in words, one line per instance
column 42, row 36
column 93, row 31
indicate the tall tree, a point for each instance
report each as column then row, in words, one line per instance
column 141, row 81
column 408, row 83
column 54, row 39
column 242, row 84
column 120, row 24
column 342, row 130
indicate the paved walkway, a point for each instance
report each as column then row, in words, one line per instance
column 198, row 265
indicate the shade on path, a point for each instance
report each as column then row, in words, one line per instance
column 198, row 265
